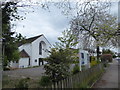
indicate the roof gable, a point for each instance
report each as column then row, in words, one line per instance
column 29, row 40
column 23, row 53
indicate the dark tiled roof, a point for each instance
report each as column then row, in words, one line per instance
column 23, row 53
column 29, row 40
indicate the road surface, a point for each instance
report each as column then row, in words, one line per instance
column 29, row 72
column 109, row 78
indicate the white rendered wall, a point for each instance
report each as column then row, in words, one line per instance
column 85, row 60
column 23, row 62
column 28, row 48
column 14, row 65
column 35, row 50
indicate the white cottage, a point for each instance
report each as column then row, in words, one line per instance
column 32, row 52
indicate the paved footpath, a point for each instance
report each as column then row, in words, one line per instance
column 109, row 78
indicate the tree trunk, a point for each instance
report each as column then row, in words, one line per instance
column 98, row 50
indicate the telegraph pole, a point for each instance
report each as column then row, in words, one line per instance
column 79, row 44
column 80, row 53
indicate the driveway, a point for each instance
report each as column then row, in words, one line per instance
column 35, row 72
column 110, row 78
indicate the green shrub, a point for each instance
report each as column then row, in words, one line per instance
column 93, row 63
column 76, row 69
column 93, row 58
column 23, row 83
column 75, row 61
column 98, row 61
column 44, row 81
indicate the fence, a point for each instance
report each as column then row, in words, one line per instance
column 81, row 79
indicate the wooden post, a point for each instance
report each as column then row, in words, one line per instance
column 64, row 83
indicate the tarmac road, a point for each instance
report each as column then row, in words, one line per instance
column 35, row 72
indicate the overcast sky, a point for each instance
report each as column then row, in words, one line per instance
column 51, row 24
column 41, row 21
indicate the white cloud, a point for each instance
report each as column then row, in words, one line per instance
column 51, row 24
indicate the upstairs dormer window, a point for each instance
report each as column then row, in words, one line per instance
column 40, row 48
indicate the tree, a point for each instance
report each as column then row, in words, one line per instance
column 91, row 18
column 94, row 21
column 58, row 63
column 57, row 67
column 66, row 41
column 19, row 38
column 9, row 13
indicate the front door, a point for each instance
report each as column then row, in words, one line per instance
column 29, row 62
column 41, row 61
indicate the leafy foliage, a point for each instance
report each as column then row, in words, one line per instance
column 61, row 57
column 58, row 65
column 93, row 58
column 91, row 19
column 95, row 24
column 23, row 83
column 44, row 81
column 76, row 69
column 9, row 13
column 93, row 63
column 67, row 40
column 19, row 38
